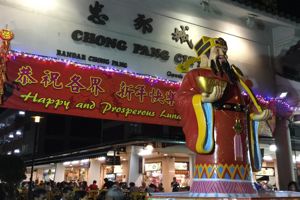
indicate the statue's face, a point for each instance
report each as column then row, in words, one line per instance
column 218, row 54
column 218, row 61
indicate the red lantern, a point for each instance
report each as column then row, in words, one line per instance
column 6, row 34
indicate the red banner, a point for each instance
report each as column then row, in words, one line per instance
column 51, row 86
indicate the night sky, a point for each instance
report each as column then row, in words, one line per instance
column 284, row 8
column 289, row 6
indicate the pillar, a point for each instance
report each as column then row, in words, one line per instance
column 284, row 153
column 39, row 174
column 94, row 172
column 134, row 166
column 168, row 171
column 59, row 175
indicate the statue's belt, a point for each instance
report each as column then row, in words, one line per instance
column 230, row 106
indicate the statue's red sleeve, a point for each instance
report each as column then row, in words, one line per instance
column 184, row 106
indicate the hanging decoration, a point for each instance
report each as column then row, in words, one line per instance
column 49, row 85
column 152, row 80
column 6, row 36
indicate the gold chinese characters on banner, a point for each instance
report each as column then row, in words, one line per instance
column 5, row 37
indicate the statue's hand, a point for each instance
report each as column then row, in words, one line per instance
column 215, row 95
column 264, row 115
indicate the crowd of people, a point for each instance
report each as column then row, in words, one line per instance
column 109, row 190
column 262, row 184
column 82, row 191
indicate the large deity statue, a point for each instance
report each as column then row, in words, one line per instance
column 219, row 123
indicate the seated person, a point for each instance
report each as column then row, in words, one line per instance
column 151, row 188
column 83, row 186
column 107, row 184
column 143, row 187
column 160, row 187
column 93, row 186
column 264, row 183
column 132, row 187
column 293, row 186
column 175, row 185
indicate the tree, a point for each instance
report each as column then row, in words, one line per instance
column 12, row 172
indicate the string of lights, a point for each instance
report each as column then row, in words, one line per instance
column 107, row 69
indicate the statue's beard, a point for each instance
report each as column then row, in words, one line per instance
column 221, row 67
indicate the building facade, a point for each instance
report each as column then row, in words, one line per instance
column 145, row 39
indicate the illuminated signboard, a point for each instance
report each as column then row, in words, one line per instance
column 181, row 166
column 266, row 171
column 152, row 166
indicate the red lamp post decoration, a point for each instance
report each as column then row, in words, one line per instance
column 6, row 36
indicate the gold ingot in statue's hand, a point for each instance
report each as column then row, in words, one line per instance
column 207, row 84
